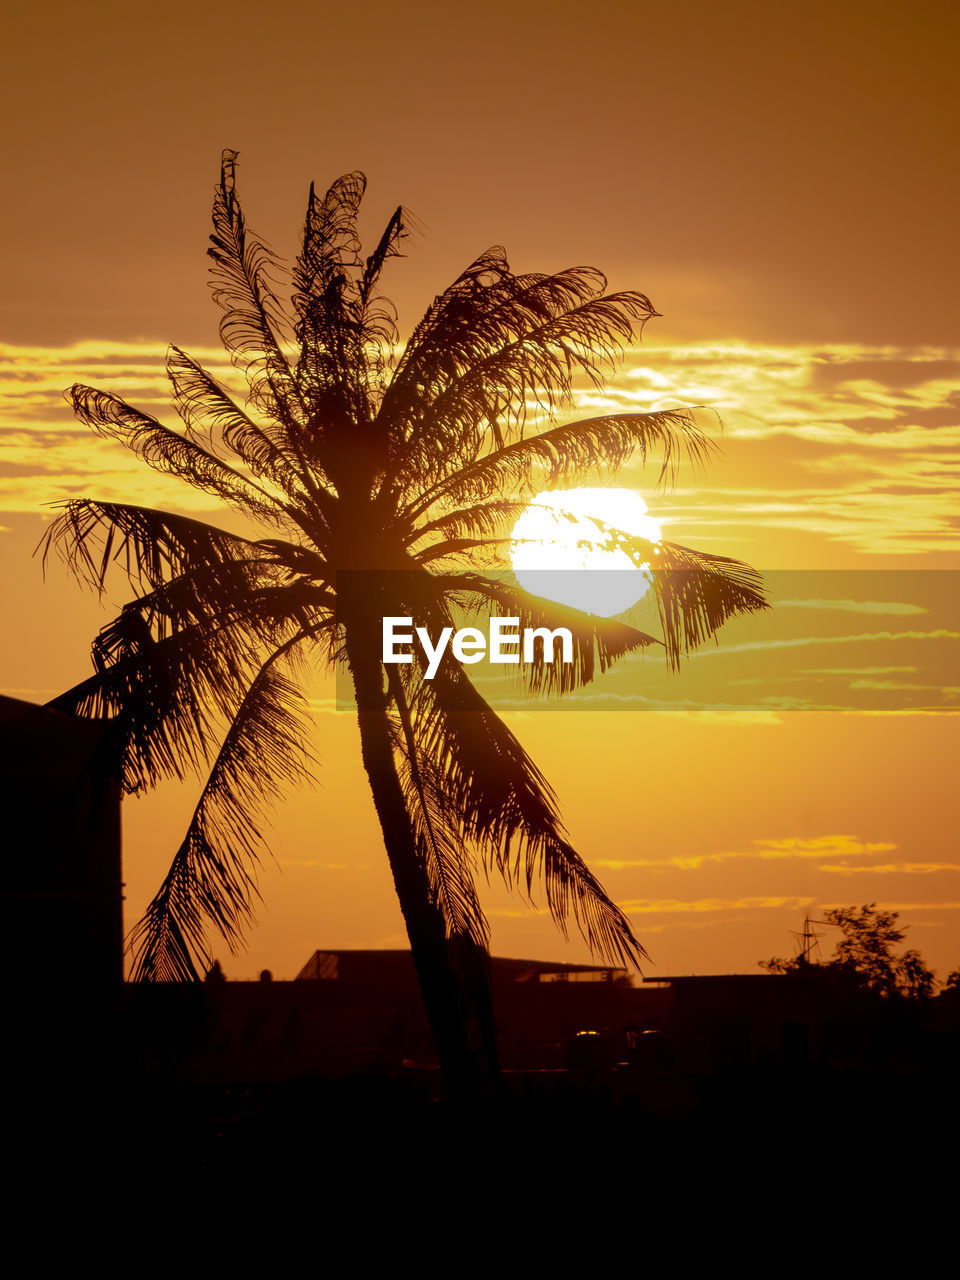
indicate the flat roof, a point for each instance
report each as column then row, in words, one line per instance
column 552, row 966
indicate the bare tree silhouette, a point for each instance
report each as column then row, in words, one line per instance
column 361, row 455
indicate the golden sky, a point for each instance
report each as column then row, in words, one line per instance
column 780, row 181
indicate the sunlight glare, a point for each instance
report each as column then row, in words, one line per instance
column 565, row 530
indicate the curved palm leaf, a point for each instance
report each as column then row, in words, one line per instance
column 212, row 877
column 253, row 323
column 150, row 546
column 206, row 408
column 167, row 451
column 502, row 803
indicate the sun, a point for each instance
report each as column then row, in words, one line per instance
column 558, row 549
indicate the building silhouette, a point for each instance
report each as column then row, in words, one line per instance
column 61, row 888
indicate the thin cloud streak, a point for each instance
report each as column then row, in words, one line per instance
column 892, row 868
column 817, row 847
column 799, row 642
column 674, row 906
column 852, row 606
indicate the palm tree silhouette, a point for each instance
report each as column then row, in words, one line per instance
column 387, row 477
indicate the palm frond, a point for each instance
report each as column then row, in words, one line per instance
column 377, row 314
column 151, row 547
column 695, row 592
column 485, row 308
column 258, row 594
column 164, row 696
column 172, row 453
column 253, row 325
column 169, row 671
column 505, row 806
column 327, row 327
column 330, row 247
column 568, row 452
column 598, row 642
column 207, row 409
column 425, row 351
column 487, row 518
column 212, row 880
column 443, row 850
column 515, row 358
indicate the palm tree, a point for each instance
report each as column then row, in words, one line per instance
column 387, row 478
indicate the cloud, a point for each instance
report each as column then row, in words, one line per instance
column 46, row 456
column 673, row 906
column 859, row 443
column 898, row 906
column 852, row 606
column 900, row 711
column 858, row 671
column 670, row 926
column 763, row 850
column 727, row 716
column 902, row 373
column 892, row 868
column 799, row 642
column 606, row 700
column 946, row 691
column 875, row 429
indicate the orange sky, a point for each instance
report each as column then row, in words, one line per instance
column 780, row 182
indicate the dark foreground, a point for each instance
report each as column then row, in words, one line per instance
column 551, row 1120
column 226, row 1087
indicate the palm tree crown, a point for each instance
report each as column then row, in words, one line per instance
column 385, row 479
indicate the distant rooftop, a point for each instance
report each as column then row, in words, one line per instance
column 42, row 742
column 713, row 977
column 353, row 964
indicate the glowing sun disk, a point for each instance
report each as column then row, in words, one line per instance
column 562, row 550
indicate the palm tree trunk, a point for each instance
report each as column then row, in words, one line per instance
column 439, row 985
